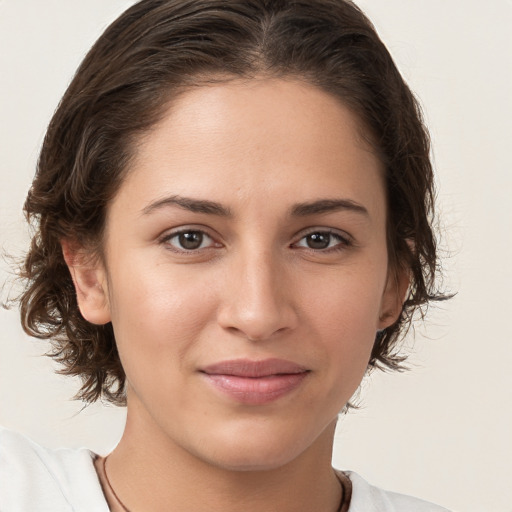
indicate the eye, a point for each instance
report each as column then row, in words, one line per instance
column 323, row 240
column 189, row 240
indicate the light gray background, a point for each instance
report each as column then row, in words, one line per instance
column 441, row 431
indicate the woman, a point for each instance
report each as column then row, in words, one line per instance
column 233, row 211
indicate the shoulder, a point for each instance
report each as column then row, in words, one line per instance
column 36, row 479
column 368, row 498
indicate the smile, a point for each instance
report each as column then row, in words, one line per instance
column 255, row 382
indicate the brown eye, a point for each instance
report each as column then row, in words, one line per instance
column 318, row 240
column 189, row 240
column 323, row 241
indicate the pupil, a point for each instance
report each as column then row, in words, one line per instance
column 318, row 240
column 191, row 240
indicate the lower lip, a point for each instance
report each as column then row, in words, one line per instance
column 256, row 390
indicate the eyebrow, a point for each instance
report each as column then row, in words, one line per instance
column 190, row 204
column 212, row 208
column 327, row 206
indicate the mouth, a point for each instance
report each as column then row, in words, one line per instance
column 255, row 382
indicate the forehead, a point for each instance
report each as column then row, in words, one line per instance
column 262, row 136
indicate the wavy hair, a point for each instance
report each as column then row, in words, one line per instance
column 151, row 53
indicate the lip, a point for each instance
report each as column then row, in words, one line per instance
column 255, row 382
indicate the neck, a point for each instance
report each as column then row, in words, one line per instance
column 148, row 471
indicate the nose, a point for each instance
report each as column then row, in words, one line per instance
column 259, row 300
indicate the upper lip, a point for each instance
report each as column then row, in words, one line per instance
column 250, row 368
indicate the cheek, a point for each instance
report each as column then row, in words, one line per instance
column 346, row 300
column 344, row 315
column 157, row 314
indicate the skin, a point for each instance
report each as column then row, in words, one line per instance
column 254, row 289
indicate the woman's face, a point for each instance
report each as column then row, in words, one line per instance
column 246, row 271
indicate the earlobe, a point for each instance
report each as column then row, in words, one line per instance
column 393, row 297
column 89, row 278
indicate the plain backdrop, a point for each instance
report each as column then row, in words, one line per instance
column 441, row 431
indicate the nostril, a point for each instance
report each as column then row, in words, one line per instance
column 256, row 336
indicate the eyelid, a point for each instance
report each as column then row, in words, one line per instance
column 170, row 234
column 346, row 240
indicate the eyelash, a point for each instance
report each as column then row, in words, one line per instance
column 343, row 241
column 166, row 239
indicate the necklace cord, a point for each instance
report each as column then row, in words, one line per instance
column 345, row 482
column 111, row 488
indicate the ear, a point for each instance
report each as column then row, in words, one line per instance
column 89, row 278
column 393, row 298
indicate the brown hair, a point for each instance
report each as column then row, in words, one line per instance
column 150, row 53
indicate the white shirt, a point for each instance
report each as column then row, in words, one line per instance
column 34, row 479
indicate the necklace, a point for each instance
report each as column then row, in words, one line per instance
column 346, row 488
column 119, row 502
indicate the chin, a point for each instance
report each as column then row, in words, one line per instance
column 264, row 460
column 253, row 452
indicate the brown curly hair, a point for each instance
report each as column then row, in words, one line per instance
column 158, row 48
